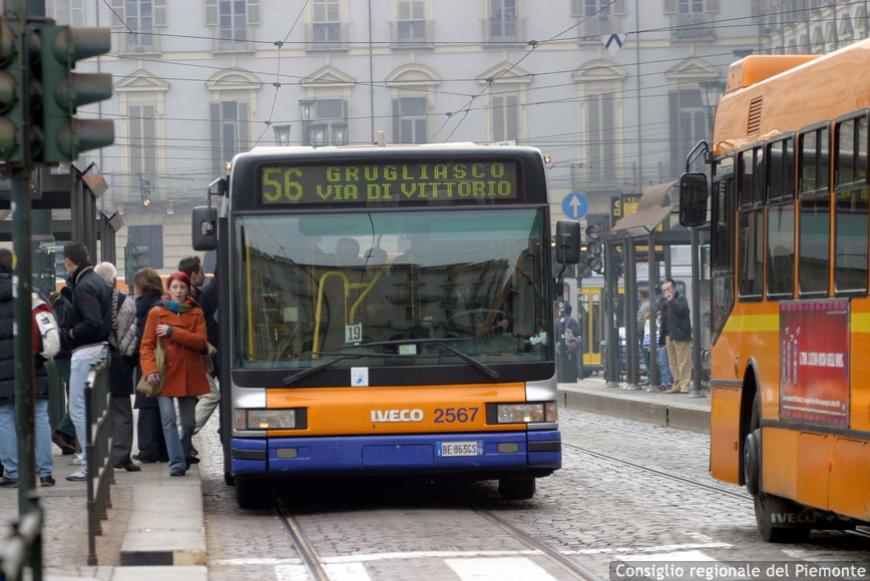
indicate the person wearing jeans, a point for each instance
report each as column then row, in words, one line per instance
column 8, row 436
column 9, row 444
column 178, row 324
column 89, row 326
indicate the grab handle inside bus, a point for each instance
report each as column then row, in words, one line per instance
column 693, row 199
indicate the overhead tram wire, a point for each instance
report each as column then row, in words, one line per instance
column 533, row 44
column 119, row 17
column 277, row 83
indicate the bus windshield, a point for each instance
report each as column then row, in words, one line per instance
column 314, row 285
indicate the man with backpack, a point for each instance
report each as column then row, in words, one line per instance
column 46, row 344
column 123, row 344
column 89, row 328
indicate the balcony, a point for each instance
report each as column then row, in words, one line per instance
column 501, row 30
column 139, row 43
column 692, row 26
column 326, row 36
column 412, row 34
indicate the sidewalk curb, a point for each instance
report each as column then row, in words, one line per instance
column 167, row 524
column 658, row 413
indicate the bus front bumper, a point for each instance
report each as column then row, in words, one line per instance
column 532, row 451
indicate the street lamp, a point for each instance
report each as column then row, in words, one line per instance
column 711, row 92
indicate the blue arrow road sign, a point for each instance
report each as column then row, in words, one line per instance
column 575, row 206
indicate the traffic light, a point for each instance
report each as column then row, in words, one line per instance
column 20, row 92
column 145, row 188
column 65, row 136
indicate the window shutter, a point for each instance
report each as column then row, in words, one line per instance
column 149, row 143
column 498, row 112
column 159, row 12
column 619, row 7
column 117, row 14
column 245, row 125
column 670, row 6
column 253, row 11
column 606, row 136
column 134, row 139
column 577, row 8
column 512, row 113
column 673, row 109
column 216, row 140
column 211, row 12
column 396, row 135
column 713, row 6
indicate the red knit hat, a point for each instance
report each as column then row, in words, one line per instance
column 180, row 276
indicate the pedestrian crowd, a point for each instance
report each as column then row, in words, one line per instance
column 160, row 343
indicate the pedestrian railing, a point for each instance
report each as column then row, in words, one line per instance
column 22, row 548
column 98, row 446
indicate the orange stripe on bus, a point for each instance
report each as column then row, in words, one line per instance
column 752, row 323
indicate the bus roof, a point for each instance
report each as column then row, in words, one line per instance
column 367, row 150
column 780, row 94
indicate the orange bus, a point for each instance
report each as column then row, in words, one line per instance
column 790, row 309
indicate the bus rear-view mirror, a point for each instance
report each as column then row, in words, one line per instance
column 205, row 228
column 693, row 199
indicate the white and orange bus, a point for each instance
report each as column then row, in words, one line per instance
column 790, row 308
column 385, row 310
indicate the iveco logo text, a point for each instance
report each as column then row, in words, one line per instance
column 380, row 416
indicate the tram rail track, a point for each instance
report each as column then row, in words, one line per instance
column 306, row 551
column 661, row 473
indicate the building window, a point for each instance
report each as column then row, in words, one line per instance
column 150, row 237
column 232, row 19
column 505, row 117
column 140, row 18
column 503, row 20
column 68, row 12
column 411, row 20
column 409, row 119
column 596, row 17
column 326, row 22
column 599, row 120
column 324, row 122
column 229, row 121
column 688, row 126
column 142, row 143
column 690, row 6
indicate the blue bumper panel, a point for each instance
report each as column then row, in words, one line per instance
column 409, row 452
column 248, row 455
column 545, row 449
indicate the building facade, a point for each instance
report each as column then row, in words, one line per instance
column 196, row 82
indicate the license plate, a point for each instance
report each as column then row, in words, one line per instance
column 460, row 448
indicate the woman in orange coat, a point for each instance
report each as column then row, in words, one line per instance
column 179, row 324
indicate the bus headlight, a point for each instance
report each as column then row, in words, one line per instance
column 525, row 413
column 278, row 419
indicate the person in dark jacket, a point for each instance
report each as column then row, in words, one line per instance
column 678, row 333
column 8, row 435
column 148, row 289
column 89, row 328
column 65, row 433
column 123, row 337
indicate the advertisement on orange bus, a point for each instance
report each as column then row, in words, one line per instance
column 814, row 353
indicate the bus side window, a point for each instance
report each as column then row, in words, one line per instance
column 814, row 224
column 722, row 259
column 850, row 239
column 780, row 219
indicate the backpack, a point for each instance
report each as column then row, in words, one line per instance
column 46, row 331
column 124, row 337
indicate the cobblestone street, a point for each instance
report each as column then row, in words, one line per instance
column 626, row 491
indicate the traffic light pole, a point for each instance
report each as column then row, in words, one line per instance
column 20, row 205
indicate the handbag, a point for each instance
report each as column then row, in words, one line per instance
column 154, row 390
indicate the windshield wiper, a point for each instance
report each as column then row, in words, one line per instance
column 445, row 343
column 341, row 356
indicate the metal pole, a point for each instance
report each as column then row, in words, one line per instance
column 639, row 98
column 371, row 78
column 653, row 312
column 632, row 363
column 696, row 316
column 611, row 337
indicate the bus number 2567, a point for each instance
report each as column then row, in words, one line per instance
column 455, row 415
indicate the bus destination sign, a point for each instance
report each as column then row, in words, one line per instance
column 388, row 183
